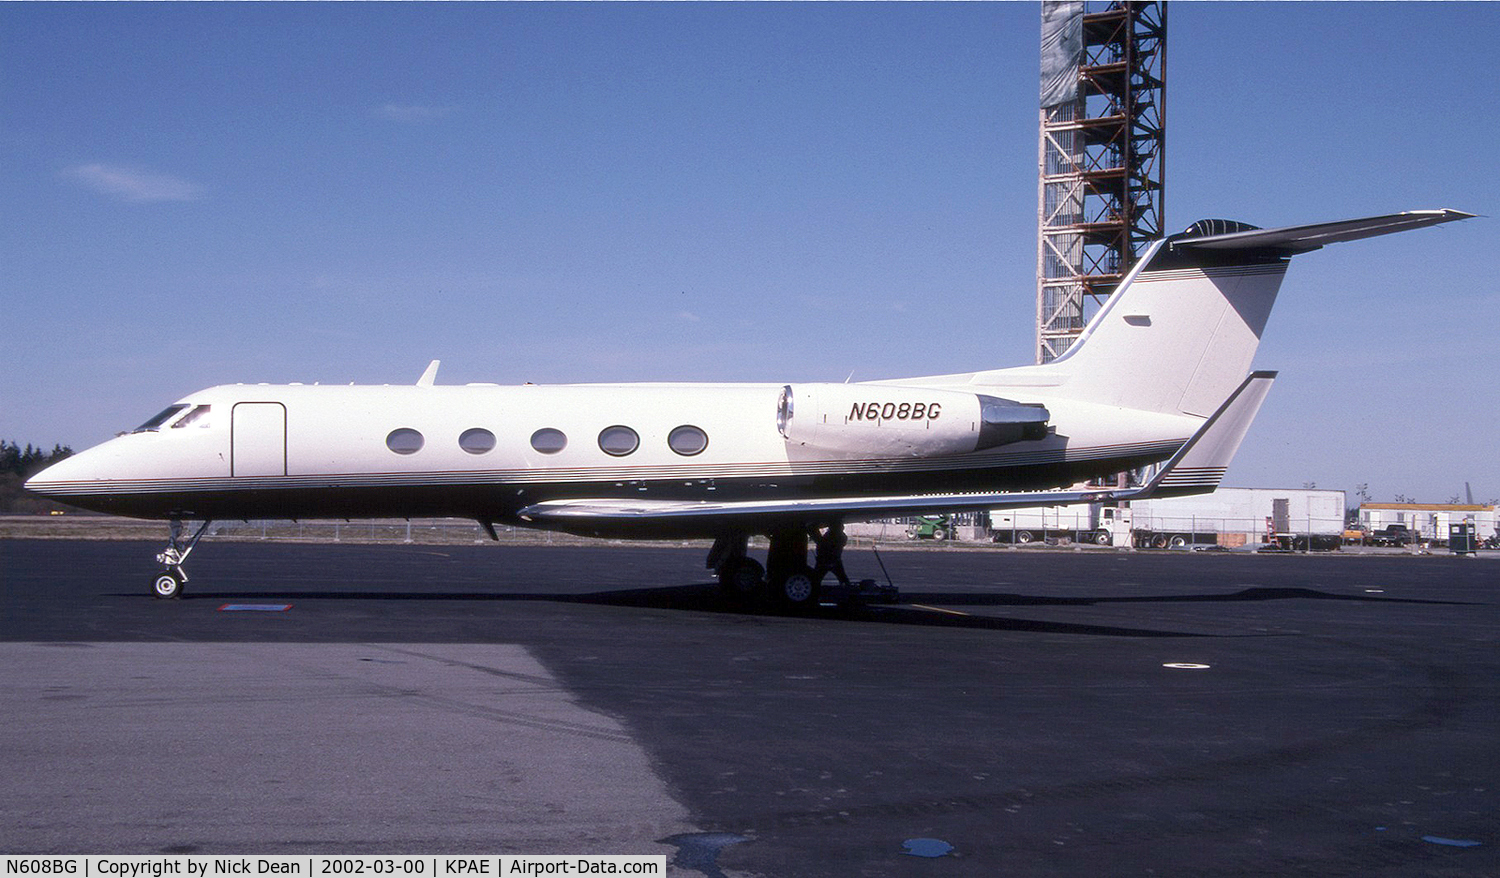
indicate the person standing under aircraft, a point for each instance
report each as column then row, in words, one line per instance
column 829, row 555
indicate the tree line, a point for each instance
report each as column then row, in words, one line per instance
column 17, row 464
column 27, row 462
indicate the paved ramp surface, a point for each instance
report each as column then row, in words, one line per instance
column 1018, row 714
column 290, row 747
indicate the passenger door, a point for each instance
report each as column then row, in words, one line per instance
column 258, row 439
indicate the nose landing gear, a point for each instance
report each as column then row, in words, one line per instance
column 168, row 584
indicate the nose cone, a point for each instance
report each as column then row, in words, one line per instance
column 42, row 482
column 53, row 481
column 124, row 476
column 85, row 479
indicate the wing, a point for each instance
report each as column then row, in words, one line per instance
column 1196, row 468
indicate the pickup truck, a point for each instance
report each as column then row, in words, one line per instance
column 1390, row 535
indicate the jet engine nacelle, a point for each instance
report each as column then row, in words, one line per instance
column 892, row 421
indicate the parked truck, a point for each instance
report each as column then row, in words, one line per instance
column 1390, row 535
column 1096, row 523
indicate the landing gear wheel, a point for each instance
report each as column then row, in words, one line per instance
column 742, row 578
column 797, row 589
column 168, row 585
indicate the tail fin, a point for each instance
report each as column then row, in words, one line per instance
column 1181, row 331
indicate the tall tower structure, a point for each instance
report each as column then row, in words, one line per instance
column 1102, row 156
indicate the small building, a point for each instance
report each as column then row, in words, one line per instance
column 1429, row 521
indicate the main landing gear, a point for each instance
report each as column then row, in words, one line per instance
column 168, row 584
column 786, row 579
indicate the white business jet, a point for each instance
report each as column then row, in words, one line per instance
column 1161, row 374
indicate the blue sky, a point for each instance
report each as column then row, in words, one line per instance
column 204, row 194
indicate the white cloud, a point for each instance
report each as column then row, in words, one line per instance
column 134, row 184
column 411, row 113
column 688, row 316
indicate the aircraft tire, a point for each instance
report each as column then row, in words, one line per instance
column 797, row 590
column 167, row 586
column 742, row 579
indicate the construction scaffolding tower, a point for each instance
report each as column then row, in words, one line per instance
column 1102, row 156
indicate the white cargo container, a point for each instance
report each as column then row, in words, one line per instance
column 1293, row 518
column 1429, row 521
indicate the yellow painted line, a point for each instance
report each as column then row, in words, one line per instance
column 940, row 610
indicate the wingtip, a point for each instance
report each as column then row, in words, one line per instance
column 1447, row 214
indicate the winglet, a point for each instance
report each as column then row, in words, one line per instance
column 1199, row 464
column 430, row 375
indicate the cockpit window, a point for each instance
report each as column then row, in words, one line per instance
column 196, row 416
column 155, row 423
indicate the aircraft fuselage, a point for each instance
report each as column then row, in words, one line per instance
column 485, row 452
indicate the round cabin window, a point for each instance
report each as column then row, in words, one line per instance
column 477, row 441
column 549, row 441
column 618, row 441
column 687, row 440
column 404, row 440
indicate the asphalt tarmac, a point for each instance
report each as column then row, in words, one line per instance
column 1017, row 713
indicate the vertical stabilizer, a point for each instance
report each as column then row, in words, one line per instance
column 1177, row 337
column 1180, row 333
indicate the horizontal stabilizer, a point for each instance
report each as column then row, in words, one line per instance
column 1292, row 240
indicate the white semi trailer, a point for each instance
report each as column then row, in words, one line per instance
column 1304, row 519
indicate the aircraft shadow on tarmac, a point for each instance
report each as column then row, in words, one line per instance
column 913, row 608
